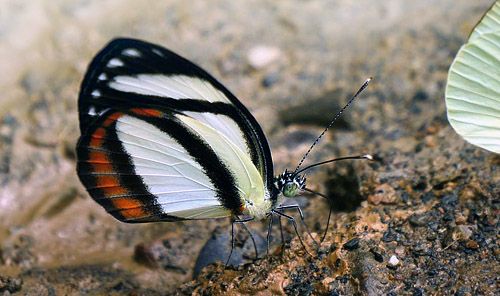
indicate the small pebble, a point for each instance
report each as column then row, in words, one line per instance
column 465, row 231
column 419, row 220
column 353, row 244
column 270, row 79
column 147, row 254
column 384, row 194
column 472, row 245
column 378, row 257
column 460, row 218
column 400, row 250
column 10, row 285
column 394, row 261
column 262, row 56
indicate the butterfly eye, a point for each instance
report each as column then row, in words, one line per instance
column 290, row 189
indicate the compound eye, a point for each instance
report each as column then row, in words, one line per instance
column 290, row 189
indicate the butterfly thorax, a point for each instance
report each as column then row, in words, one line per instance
column 287, row 184
column 259, row 208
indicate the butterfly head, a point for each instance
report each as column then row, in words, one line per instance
column 290, row 184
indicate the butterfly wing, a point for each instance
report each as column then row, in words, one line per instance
column 162, row 140
column 472, row 90
column 489, row 23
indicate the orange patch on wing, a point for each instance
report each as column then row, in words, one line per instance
column 147, row 112
column 99, row 133
column 98, row 157
column 131, row 208
column 100, row 162
column 107, row 181
column 97, row 137
column 102, row 167
column 114, row 191
column 110, row 185
column 95, row 143
column 112, row 118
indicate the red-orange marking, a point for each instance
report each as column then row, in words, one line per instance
column 97, row 137
column 98, row 156
column 95, row 143
column 147, row 112
column 99, row 133
column 131, row 208
column 112, row 118
column 99, row 160
column 102, row 167
column 114, row 191
column 107, row 181
column 110, row 185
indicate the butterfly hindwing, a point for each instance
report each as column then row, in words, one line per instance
column 139, row 169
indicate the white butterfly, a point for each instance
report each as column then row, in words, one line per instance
column 162, row 140
column 473, row 87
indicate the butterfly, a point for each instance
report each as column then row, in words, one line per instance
column 162, row 140
column 472, row 97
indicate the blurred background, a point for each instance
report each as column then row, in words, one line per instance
column 293, row 64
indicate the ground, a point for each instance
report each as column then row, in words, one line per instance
column 422, row 219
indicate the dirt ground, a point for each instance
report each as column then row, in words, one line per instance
column 422, row 219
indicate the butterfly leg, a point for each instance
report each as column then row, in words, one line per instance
column 234, row 221
column 282, row 237
column 294, row 226
column 269, row 229
column 297, row 207
column 269, row 235
column 252, row 238
column 329, row 214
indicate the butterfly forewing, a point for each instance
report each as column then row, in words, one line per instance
column 163, row 140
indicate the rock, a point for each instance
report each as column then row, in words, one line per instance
column 159, row 254
column 384, row 194
column 218, row 247
column 353, row 244
column 10, row 284
column 147, row 255
column 270, row 79
column 464, row 231
column 262, row 56
column 393, row 262
column 419, row 220
column 376, row 255
column 472, row 245
column 367, row 272
column 460, row 218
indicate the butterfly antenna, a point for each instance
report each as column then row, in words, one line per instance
column 365, row 84
column 366, row 156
